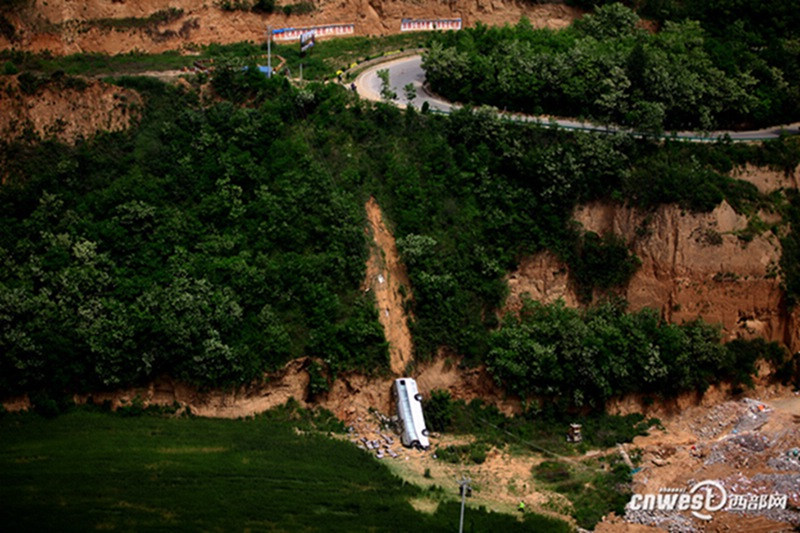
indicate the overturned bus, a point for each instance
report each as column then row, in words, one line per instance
column 409, row 413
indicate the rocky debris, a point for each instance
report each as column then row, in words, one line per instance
column 737, row 450
column 658, row 461
column 375, row 435
column 718, row 420
column 768, row 484
column 788, row 460
column 749, row 447
column 669, row 521
column 756, row 415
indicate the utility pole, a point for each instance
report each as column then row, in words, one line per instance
column 465, row 490
column 269, row 49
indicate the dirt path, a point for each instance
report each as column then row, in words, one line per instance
column 385, row 277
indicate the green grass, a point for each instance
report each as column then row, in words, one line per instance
column 595, row 488
column 324, row 59
column 89, row 470
column 544, row 431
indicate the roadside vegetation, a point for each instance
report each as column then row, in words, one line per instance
column 215, row 242
column 88, row 470
column 720, row 72
column 322, row 61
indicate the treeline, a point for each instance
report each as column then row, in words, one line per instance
column 206, row 244
column 214, row 242
column 607, row 68
column 583, row 358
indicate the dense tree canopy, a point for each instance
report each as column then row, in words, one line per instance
column 585, row 358
column 214, row 242
column 609, row 69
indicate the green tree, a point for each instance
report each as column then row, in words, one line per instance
column 410, row 92
column 386, row 88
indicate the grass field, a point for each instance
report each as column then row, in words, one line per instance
column 90, row 470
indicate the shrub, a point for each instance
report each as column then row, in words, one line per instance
column 264, row 6
column 439, row 410
column 300, row 8
column 593, row 491
column 585, row 357
column 317, row 382
column 474, row 452
column 7, row 29
column 602, row 263
column 234, row 5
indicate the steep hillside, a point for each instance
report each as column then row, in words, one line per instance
column 69, row 26
column 64, row 108
column 693, row 265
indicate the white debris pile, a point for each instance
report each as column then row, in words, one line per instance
column 786, row 460
column 718, row 420
column 376, row 436
column 755, row 416
column 738, row 450
column 759, row 488
column 667, row 520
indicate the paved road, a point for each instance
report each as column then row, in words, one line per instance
column 409, row 70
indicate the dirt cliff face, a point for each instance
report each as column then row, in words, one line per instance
column 543, row 278
column 71, row 26
column 693, row 265
column 65, row 109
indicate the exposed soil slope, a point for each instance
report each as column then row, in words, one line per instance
column 65, row 111
column 693, row 265
column 70, row 26
column 387, row 279
column 543, row 278
column 767, row 180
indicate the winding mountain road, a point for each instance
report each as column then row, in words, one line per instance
column 408, row 69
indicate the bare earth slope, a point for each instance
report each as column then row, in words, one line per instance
column 387, row 278
column 70, row 26
column 693, row 265
column 65, row 111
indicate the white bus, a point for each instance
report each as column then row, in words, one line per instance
column 409, row 411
